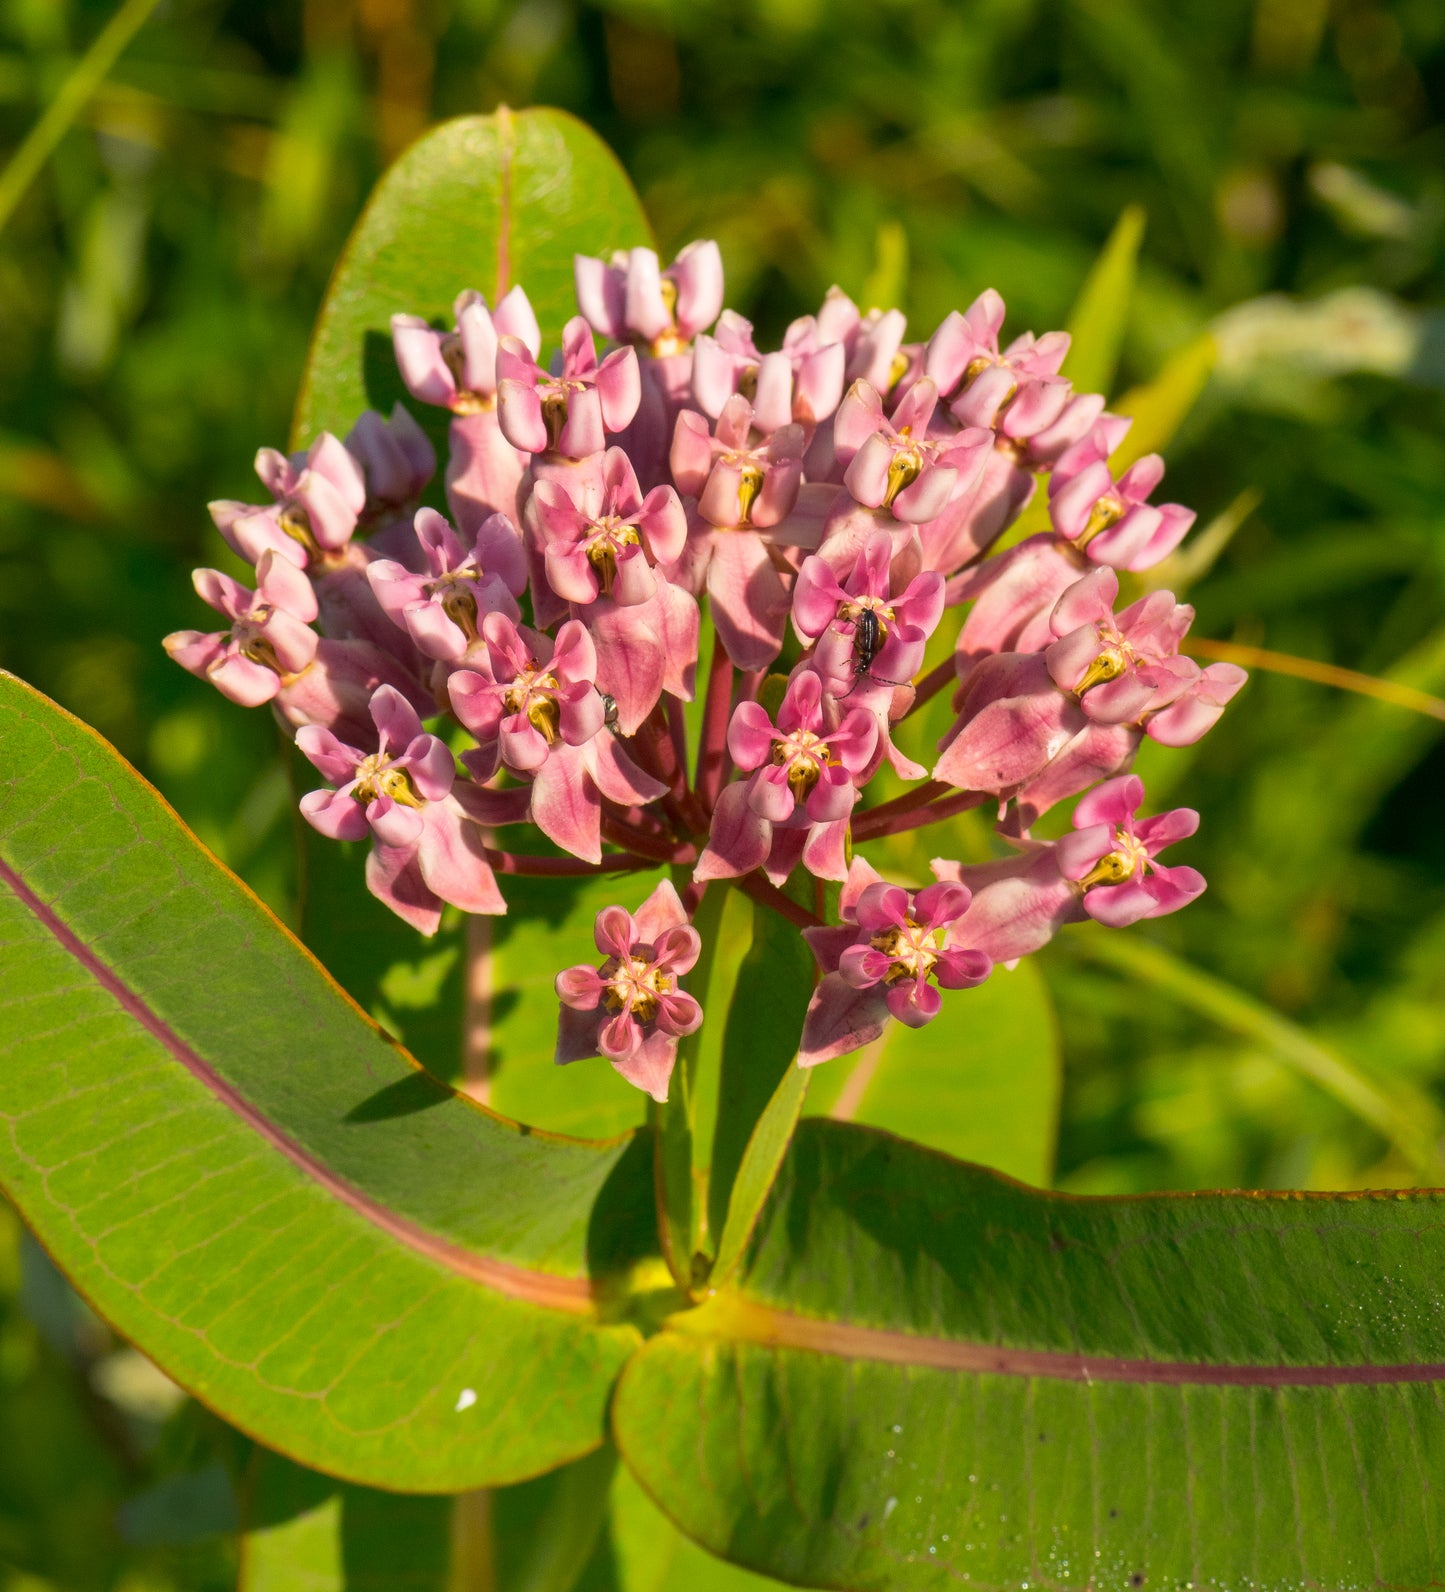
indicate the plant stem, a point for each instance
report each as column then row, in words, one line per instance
column 56, row 120
column 931, row 684
column 566, row 867
column 713, row 763
column 649, row 851
column 891, row 819
column 756, row 886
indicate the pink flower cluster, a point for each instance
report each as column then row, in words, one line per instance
column 823, row 506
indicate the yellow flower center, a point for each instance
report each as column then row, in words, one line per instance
column 1106, row 512
column 912, row 949
column 376, row 777
column 805, row 755
column 905, row 469
column 1128, row 860
column 605, row 542
column 634, row 984
column 467, row 401
column 533, row 693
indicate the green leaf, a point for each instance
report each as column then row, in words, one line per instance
column 1101, row 311
column 1161, row 406
column 762, row 1156
column 928, row 1372
column 980, row 1082
column 480, row 202
column 760, row 1043
column 642, row 1551
column 307, row 1533
column 254, row 1184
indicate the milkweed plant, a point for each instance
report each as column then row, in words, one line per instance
column 615, row 614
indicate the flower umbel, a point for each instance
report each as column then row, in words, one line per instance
column 615, row 515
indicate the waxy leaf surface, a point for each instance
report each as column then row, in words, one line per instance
column 257, row 1186
column 928, row 1376
column 482, row 202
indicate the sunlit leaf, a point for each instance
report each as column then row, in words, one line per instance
column 926, row 1372
column 253, row 1183
column 480, row 202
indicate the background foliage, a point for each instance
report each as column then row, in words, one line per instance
column 157, row 286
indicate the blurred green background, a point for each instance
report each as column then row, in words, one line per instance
column 157, row 284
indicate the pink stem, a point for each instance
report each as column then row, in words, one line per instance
column 677, row 729
column 754, row 885
column 564, row 867
column 652, row 746
column 893, row 819
column 713, row 763
column 931, row 684
column 655, row 850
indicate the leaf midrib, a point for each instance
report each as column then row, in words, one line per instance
column 732, row 1319
column 571, row 1294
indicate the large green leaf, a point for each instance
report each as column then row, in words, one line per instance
column 929, row 1375
column 254, row 1184
column 480, row 202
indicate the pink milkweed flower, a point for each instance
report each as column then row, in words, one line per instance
column 829, row 612
column 425, row 849
column 458, row 370
column 1096, row 520
column 630, row 300
column 319, row 496
column 465, row 578
column 609, row 551
column 872, row 343
column 745, row 485
column 893, row 953
column 572, row 412
column 1046, row 725
column 800, row 383
column 803, row 786
column 600, row 556
column 899, row 471
column 1112, row 521
column 1112, row 857
column 1105, row 869
column 1042, row 449
column 872, row 346
column 534, row 709
column 1112, row 665
column 631, row 1009
column 270, row 635
column 1019, row 395
column 979, row 381
column 396, row 459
